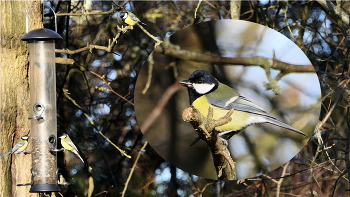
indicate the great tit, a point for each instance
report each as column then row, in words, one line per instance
column 20, row 146
column 206, row 91
column 67, row 144
column 62, row 180
column 129, row 18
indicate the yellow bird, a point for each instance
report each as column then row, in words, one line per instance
column 129, row 18
column 20, row 146
column 62, row 180
column 68, row 144
column 206, row 91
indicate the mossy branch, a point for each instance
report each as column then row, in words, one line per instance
column 205, row 127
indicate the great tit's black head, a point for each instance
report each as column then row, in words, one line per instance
column 201, row 81
column 63, row 136
column 123, row 15
column 25, row 137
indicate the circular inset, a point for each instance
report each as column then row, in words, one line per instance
column 253, row 59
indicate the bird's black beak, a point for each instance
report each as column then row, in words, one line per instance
column 186, row 83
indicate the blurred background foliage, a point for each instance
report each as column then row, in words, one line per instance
column 88, row 108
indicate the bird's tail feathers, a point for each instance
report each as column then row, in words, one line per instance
column 283, row 125
column 75, row 152
column 80, row 158
column 5, row 154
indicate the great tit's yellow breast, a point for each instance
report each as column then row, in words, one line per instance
column 21, row 149
column 66, row 145
column 129, row 21
column 239, row 118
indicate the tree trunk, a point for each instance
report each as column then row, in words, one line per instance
column 14, row 94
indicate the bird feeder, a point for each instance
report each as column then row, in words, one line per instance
column 42, row 76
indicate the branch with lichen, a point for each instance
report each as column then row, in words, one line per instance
column 205, row 127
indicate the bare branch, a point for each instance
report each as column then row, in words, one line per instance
column 235, row 8
column 90, row 47
column 205, row 126
column 279, row 182
column 133, row 167
column 85, row 13
column 110, row 88
column 66, row 94
column 168, row 48
column 61, row 60
column 149, row 76
column 159, row 108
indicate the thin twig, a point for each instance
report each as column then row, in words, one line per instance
column 120, row 150
column 90, row 47
column 196, row 10
column 85, row 13
column 110, row 88
column 66, row 94
column 157, row 111
column 133, row 168
column 150, row 35
column 279, row 182
column 149, row 76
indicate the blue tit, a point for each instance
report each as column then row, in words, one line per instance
column 68, row 144
column 129, row 18
column 206, row 91
column 20, row 146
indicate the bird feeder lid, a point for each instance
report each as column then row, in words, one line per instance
column 41, row 34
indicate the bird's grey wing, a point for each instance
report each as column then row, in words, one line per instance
column 72, row 145
column 17, row 146
column 75, row 150
column 239, row 103
column 134, row 18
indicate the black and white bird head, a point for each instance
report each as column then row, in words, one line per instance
column 25, row 137
column 63, row 136
column 123, row 15
column 201, row 81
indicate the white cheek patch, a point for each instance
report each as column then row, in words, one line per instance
column 125, row 16
column 203, row 88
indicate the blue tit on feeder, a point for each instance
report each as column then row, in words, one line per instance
column 68, row 144
column 21, row 145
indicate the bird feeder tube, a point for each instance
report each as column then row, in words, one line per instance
column 42, row 77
